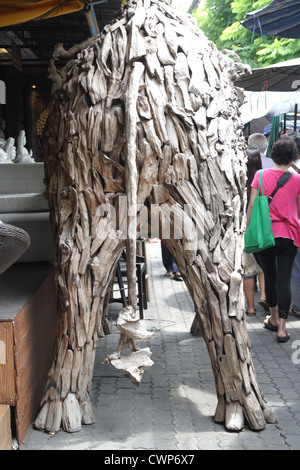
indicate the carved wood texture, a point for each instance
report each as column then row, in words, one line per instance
column 148, row 110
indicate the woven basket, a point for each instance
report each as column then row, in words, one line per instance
column 13, row 243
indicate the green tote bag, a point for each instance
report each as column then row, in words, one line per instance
column 259, row 235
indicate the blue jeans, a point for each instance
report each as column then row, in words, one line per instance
column 295, row 285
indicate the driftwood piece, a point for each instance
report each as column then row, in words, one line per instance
column 133, row 364
column 132, row 333
column 131, row 175
column 147, row 113
column 71, row 414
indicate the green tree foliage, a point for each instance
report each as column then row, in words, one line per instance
column 213, row 17
column 220, row 21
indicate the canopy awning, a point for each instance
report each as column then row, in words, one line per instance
column 269, row 104
column 20, row 11
column 284, row 76
column 279, row 18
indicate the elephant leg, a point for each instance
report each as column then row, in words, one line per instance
column 218, row 309
column 82, row 289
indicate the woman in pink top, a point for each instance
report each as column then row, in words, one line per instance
column 277, row 262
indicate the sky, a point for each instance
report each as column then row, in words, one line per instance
column 181, row 4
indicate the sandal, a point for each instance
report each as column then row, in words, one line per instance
column 177, row 277
column 283, row 339
column 168, row 274
column 269, row 326
column 264, row 304
column 251, row 314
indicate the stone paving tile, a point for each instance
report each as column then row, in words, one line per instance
column 293, row 441
column 173, row 408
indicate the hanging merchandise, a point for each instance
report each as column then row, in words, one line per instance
column 275, row 132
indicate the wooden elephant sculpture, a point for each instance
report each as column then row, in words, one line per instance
column 146, row 117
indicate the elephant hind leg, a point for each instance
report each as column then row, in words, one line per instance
column 82, row 289
column 219, row 313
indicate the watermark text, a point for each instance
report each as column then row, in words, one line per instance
column 296, row 354
column 2, row 92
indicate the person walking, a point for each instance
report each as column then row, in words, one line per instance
column 277, row 261
column 295, row 284
column 260, row 141
column 251, row 268
column 170, row 264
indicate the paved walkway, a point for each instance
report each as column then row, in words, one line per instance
column 173, row 408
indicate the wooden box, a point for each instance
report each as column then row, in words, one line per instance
column 27, row 337
column 5, row 429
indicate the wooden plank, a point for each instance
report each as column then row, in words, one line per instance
column 18, row 284
column 7, row 367
column 5, row 429
column 35, row 328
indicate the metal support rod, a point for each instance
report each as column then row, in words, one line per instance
column 97, row 2
column 91, row 19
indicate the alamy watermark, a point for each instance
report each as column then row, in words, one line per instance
column 296, row 354
column 2, row 92
column 174, row 221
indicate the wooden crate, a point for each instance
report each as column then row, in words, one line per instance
column 5, row 429
column 26, row 353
